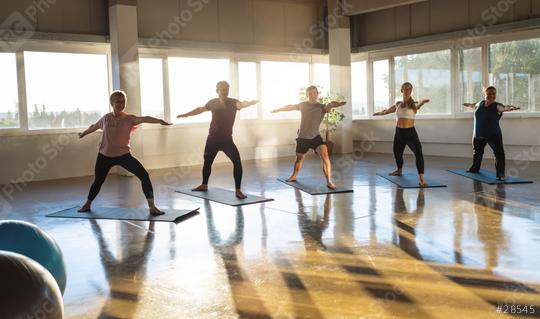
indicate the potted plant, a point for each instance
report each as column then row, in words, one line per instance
column 331, row 119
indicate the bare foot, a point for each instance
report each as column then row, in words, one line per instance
column 292, row 179
column 154, row 211
column 501, row 178
column 331, row 185
column 422, row 182
column 85, row 209
column 397, row 172
column 240, row 195
column 200, row 188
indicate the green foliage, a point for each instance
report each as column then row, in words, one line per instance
column 516, row 57
column 7, row 123
column 431, row 60
column 515, row 67
column 332, row 120
column 429, row 73
column 43, row 119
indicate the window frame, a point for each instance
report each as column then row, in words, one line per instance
column 371, row 85
column 453, row 74
column 234, row 58
column 457, row 110
column 363, row 57
column 297, row 119
column 21, row 97
column 453, row 45
column 93, row 46
column 189, row 54
column 51, row 46
column 166, row 97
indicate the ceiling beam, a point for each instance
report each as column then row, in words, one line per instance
column 354, row 7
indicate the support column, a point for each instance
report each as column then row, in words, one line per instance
column 339, row 42
column 124, row 39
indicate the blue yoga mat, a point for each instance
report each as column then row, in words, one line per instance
column 489, row 177
column 315, row 186
column 410, row 181
column 224, row 196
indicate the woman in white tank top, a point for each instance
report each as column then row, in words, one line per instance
column 405, row 132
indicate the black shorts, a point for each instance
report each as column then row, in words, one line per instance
column 303, row 145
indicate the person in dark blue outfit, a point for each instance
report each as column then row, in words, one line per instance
column 488, row 131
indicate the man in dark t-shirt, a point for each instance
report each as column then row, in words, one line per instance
column 220, row 138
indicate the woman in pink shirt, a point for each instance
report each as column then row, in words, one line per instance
column 114, row 149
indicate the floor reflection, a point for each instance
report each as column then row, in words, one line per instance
column 489, row 211
column 380, row 252
column 310, row 223
column 247, row 302
column 125, row 274
column 405, row 238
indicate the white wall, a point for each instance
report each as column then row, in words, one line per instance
column 66, row 156
column 51, row 155
column 55, row 156
column 178, row 146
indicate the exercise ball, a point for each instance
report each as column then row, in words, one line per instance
column 30, row 241
column 28, row 290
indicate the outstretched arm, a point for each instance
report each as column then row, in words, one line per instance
column 195, row 111
column 91, row 129
column 149, row 119
column 290, row 107
column 421, row 103
column 244, row 104
column 506, row 108
column 333, row 104
column 470, row 105
column 389, row 110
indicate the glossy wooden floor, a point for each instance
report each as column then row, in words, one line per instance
column 380, row 252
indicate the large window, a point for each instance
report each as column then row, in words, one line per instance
column 430, row 74
column 515, row 71
column 381, row 85
column 247, row 88
column 282, row 83
column 152, row 101
column 192, row 83
column 65, row 90
column 9, row 100
column 359, row 88
column 470, row 77
column 321, row 77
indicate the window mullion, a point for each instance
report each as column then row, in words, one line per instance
column 21, row 80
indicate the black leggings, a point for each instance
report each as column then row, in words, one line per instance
column 130, row 163
column 496, row 144
column 408, row 137
column 210, row 152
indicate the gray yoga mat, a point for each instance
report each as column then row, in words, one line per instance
column 224, row 196
column 489, row 177
column 410, row 181
column 315, row 186
column 118, row 213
